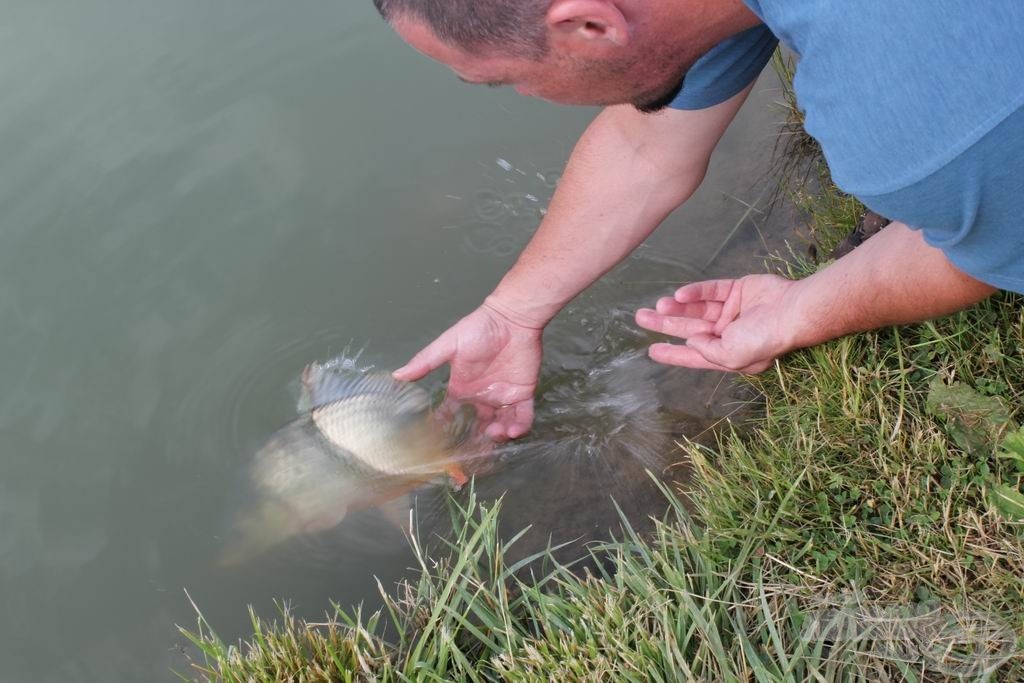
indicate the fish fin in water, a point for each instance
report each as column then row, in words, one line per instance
column 326, row 385
column 396, row 512
column 416, row 512
column 326, row 521
column 456, row 475
column 254, row 531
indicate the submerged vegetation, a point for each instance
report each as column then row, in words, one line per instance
column 869, row 525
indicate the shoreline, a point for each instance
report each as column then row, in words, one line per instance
column 867, row 525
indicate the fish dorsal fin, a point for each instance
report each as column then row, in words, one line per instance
column 326, row 385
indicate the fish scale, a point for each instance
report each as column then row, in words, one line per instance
column 311, row 462
column 366, row 440
column 367, row 427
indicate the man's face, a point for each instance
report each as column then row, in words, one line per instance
column 646, row 78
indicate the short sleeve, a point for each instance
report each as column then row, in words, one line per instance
column 726, row 69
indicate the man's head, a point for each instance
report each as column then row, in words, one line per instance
column 597, row 52
column 479, row 25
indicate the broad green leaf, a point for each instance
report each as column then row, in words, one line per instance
column 1009, row 501
column 1013, row 448
column 976, row 423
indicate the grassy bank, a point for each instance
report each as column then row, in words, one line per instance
column 869, row 525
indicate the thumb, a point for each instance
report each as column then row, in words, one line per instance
column 439, row 352
column 707, row 346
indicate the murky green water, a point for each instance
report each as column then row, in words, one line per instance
column 198, row 198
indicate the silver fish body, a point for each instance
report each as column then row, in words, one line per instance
column 383, row 423
column 366, row 439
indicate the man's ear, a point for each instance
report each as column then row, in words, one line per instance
column 588, row 23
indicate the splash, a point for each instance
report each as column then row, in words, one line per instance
column 600, row 417
column 348, row 361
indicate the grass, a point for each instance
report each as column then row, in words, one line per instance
column 671, row 610
column 869, row 525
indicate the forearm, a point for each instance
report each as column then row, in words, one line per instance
column 627, row 173
column 608, row 201
column 891, row 279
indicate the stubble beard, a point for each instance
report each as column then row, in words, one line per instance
column 651, row 100
column 675, row 66
column 660, row 100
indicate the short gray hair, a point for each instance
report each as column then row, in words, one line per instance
column 512, row 27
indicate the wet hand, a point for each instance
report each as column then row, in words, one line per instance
column 739, row 325
column 494, row 367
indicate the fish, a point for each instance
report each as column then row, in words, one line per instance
column 365, row 439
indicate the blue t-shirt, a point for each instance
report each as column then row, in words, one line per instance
column 726, row 69
column 894, row 91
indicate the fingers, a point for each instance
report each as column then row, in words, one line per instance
column 518, row 418
column 426, row 361
column 496, row 432
column 730, row 311
column 485, row 421
column 676, row 326
column 683, row 356
column 704, row 353
column 713, row 295
column 704, row 310
column 511, row 422
column 709, row 290
column 496, row 423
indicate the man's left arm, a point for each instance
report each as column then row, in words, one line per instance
column 745, row 324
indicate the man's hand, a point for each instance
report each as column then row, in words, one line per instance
column 731, row 325
column 743, row 325
column 628, row 171
column 494, row 367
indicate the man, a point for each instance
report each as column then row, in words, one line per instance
column 918, row 106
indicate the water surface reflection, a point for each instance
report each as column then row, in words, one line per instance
column 197, row 200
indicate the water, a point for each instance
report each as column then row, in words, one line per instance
column 196, row 200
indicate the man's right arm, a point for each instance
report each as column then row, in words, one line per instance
column 626, row 174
